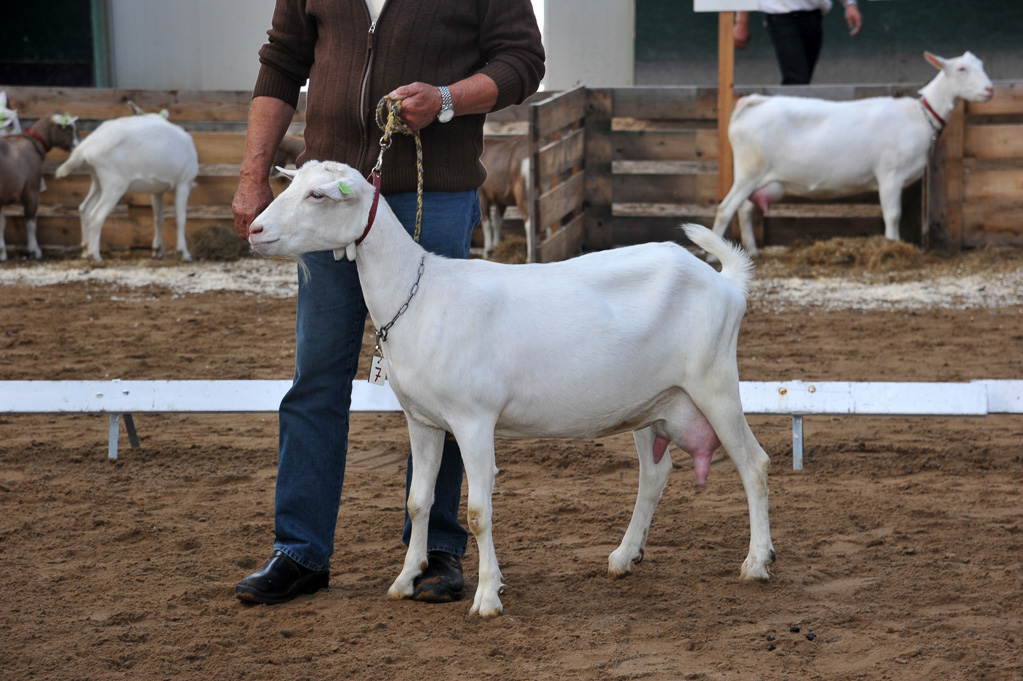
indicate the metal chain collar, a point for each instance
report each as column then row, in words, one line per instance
column 382, row 332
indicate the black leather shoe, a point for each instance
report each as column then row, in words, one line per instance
column 280, row 580
column 441, row 582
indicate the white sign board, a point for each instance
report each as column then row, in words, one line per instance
column 725, row 5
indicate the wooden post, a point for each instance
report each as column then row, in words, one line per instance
column 726, row 99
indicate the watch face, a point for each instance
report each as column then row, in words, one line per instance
column 445, row 115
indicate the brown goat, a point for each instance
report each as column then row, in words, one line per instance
column 290, row 148
column 507, row 162
column 21, row 169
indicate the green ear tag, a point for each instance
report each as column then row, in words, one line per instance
column 345, row 189
column 63, row 121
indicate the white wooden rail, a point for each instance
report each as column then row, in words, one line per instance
column 791, row 398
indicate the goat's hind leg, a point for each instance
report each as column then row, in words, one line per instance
column 427, row 443
column 181, row 193
column 157, row 225
column 723, row 410
column 477, row 445
column 653, row 475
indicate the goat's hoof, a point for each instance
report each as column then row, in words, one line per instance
column 402, row 588
column 486, row 611
column 756, row 571
column 618, row 567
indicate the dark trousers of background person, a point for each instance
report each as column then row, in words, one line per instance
column 797, row 38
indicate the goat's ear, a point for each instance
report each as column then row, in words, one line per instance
column 3, row 99
column 290, row 174
column 935, row 61
column 336, row 190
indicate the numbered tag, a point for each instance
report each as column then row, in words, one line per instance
column 378, row 370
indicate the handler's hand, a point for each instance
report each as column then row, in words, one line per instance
column 740, row 35
column 420, row 104
column 854, row 19
column 250, row 200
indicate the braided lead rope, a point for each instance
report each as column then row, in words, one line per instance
column 390, row 123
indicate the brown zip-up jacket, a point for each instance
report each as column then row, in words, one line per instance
column 351, row 64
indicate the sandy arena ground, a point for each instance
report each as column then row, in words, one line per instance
column 898, row 546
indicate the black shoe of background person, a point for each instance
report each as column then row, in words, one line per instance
column 280, row 580
column 441, row 582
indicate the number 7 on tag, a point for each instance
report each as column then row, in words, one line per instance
column 378, row 371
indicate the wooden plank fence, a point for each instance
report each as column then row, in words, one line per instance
column 613, row 166
column 654, row 154
column 974, row 188
column 217, row 123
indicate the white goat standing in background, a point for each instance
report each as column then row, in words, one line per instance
column 636, row 339
column 823, row 149
column 140, row 153
column 10, row 124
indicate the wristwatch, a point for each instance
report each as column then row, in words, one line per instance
column 447, row 108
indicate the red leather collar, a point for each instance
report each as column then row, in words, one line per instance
column 372, row 208
column 46, row 147
column 927, row 105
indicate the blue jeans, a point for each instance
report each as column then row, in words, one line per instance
column 314, row 414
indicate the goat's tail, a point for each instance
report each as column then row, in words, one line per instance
column 736, row 265
column 73, row 161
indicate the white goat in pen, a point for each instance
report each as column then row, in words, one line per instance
column 823, row 149
column 139, row 153
column 10, row 124
column 640, row 338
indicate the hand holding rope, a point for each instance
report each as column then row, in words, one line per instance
column 389, row 120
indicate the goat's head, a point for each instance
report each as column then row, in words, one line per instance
column 9, row 122
column 965, row 75
column 325, row 208
column 59, row 130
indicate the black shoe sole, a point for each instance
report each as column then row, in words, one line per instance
column 305, row 585
column 437, row 593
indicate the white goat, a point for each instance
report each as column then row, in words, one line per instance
column 10, row 124
column 21, row 170
column 640, row 338
column 140, row 153
column 822, row 149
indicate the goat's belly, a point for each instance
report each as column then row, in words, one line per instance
column 816, row 188
column 150, row 186
column 587, row 417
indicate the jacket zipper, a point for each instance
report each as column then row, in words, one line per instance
column 364, row 92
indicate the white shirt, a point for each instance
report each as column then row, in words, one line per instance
column 786, row 6
column 374, row 8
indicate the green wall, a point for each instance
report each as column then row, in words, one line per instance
column 669, row 30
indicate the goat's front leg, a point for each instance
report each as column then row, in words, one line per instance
column 32, row 245
column 427, row 444
column 477, row 446
column 157, row 225
column 180, row 216
column 890, row 192
column 3, row 244
column 652, row 478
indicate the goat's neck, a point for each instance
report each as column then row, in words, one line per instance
column 388, row 261
column 40, row 140
column 939, row 95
